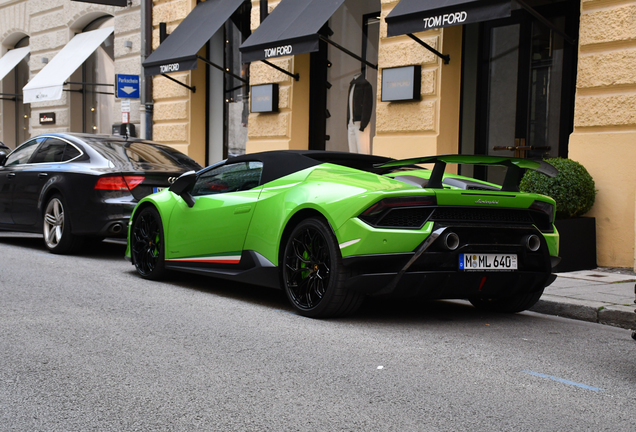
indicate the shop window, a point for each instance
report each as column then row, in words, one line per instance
column 228, row 96
column 343, row 89
column 92, row 98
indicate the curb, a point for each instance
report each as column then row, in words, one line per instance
column 617, row 316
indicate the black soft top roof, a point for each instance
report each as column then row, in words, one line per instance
column 277, row 164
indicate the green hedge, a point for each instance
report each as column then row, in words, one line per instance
column 572, row 189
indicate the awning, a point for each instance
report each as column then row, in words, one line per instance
column 120, row 3
column 10, row 60
column 47, row 84
column 179, row 51
column 291, row 28
column 412, row 16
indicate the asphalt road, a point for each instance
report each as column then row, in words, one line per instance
column 85, row 344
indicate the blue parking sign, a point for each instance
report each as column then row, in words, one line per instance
column 127, row 86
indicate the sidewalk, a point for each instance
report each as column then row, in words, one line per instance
column 602, row 295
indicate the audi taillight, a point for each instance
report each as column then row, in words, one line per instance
column 118, row 183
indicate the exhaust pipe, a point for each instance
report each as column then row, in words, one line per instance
column 532, row 242
column 451, row 241
column 116, row 228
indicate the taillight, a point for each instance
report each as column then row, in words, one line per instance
column 120, row 183
column 379, row 210
column 544, row 207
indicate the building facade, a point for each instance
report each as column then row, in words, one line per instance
column 400, row 78
column 75, row 92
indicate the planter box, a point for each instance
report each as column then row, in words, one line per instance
column 577, row 248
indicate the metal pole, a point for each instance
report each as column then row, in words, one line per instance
column 264, row 9
column 145, row 83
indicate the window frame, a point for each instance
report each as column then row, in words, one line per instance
column 46, row 138
column 224, row 164
column 36, row 146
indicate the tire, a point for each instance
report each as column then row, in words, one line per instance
column 147, row 244
column 313, row 274
column 56, row 228
column 514, row 304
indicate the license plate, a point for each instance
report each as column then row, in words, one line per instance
column 489, row 262
column 157, row 189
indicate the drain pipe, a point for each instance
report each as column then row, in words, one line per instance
column 147, row 105
column 264, row 9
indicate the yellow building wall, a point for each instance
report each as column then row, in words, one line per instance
column 404, row 129
column 431, row 125
column 287, row 129
column 179, row 114
column 604, row 137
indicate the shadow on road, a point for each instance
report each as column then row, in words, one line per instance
column 374, row 310
column 107, row 249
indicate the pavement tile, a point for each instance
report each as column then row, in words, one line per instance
column 598, row 276
column 603, row 297
column 569, row 282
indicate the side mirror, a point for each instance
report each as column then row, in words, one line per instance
column 183, row 185
column 3, row 157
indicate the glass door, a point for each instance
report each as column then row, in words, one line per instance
column 518, row 88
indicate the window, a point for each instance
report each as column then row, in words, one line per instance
column 22, row 154
column 229, row 178
column 55, row 150
column 92, row 97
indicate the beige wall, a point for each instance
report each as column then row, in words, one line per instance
column 431, row 125
column 179, row 114
column 289, row 128
column 404, row 129
column 51, row 24
column 604, row 138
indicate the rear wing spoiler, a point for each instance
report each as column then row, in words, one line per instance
column 513, row 173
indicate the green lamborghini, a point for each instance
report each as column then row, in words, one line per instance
column 331, row 228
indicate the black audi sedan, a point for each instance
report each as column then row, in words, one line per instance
column 73, row 187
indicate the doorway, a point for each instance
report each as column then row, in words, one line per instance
column 227, row 95
column 518, row 84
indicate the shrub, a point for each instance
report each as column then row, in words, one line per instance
column 572, row 189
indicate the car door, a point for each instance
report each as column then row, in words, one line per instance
column 47, row 161
column 10, row 175
column 214, row 229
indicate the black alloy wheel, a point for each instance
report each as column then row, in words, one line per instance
column 313, row 274
column 56, row 227
column 147, row 244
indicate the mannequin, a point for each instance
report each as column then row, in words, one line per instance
column 359, row 110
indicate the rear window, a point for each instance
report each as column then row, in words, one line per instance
column 139, row 153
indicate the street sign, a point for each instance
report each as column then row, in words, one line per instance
column 127, row 86
column 125, row 117
column 125, row 105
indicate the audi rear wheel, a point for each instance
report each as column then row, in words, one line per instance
column 56, row 228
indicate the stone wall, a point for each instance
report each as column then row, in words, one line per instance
column 604, row 137
column 172, row 102
column 50, row 25
column 430, row 125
